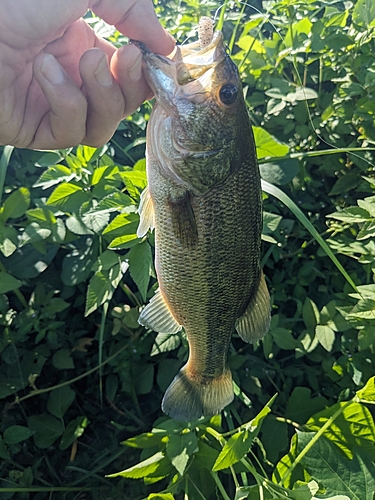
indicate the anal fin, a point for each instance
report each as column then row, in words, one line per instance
column 255, row 322
column 158, row 317
column 146, row 213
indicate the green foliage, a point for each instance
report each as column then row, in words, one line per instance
column 81, row 382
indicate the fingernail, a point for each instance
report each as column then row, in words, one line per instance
column 102, row 74
column 135, row 72
column 51, row 70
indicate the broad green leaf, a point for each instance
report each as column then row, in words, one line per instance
column 16, row 433
column 301, row 405
column 156, row 466
column 33, row 233
column 326, row 336
column 46, row 429
column 353, row 427
column 274, row 437
column 268, row 146
column 165, row 342
column 62, row 193
column 77, row 264
column 351, row 215
column 364, row 13
column 120, row 225
column 281, row 172
column 49, row 158
column 140, row 266
column 16, row 204
column 240, row 443
column 54, row 175
column 367, row 393
column 8, row 282
column 344, row 184
column 366, row 231
column 96, row 221
column 145, row 440
column 368, row 204
column 76, row 225
column 116, row 201
column 354, row 478
column 62, row 359
column 310, row 314
column 143, row 376
column 180, row 447
column 102, row 286
column 59, row 400
column 73, row 431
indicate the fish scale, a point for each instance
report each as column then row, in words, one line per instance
column 204, row 200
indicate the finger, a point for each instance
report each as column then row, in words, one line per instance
column 136, row 19
column 126, row 66
column 64, row 124
column 106, row 103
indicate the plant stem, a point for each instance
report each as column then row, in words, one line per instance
column 67, row 382
column 314, row 440
column 220, row 486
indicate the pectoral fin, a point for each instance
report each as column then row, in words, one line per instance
column 146, row 213
column 255, row 322
column 158, row 317
column 183, row 220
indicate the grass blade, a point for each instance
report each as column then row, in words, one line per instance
column 284, row 198
column 4, row 162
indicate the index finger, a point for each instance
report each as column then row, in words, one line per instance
column 136, row 19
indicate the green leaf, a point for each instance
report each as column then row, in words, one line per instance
column 301, row 405
column 73, row 431
column 102, row 287
column 310, row 314
column 156, row 466
column 8, row 282
column 16, row 433
column 165, row 342
column 364, row 13
column 268, row 145
column 353, row 427
column 240, row 443
column 274, row 437
column 16, row 204
column 77, row 265
column 345, row 184
column 4, row 453
column 62, row 360
column 180, row 447
column 46, row 429
column 351, row 215
column 160, row 496
column 339, row 476
column 145, row 440
column 54, row 175
column 62, row 193
column 59, row 400
column 33, row 233
column 281, row 172
column 140, row 266
column 367, row 393
column 326, row 336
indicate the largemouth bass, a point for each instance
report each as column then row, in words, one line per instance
column 204, row 200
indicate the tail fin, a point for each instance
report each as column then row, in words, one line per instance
column 189, row 398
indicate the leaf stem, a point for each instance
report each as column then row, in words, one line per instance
column 220, row 486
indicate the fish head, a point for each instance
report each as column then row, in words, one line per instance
column 201, row 113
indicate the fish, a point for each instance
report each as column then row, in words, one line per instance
column 204, row 201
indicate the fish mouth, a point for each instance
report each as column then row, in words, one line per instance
column 187, row 73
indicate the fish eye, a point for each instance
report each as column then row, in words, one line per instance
column 228, row 93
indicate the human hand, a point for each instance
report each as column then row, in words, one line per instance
column 60, row 84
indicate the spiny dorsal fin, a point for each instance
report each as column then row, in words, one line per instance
column 146, row 213
column 255, row 322
column 157, row 316
column 183, row 220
